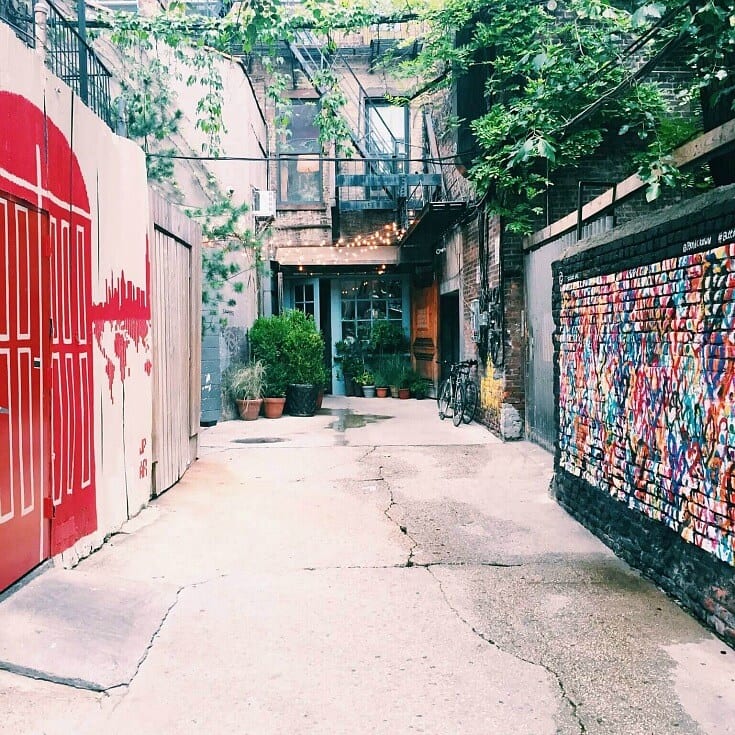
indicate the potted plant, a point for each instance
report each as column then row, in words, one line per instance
column 245, row 385
column 387, row 337
column 418, row 386
column 393, row 368
column 267, row 344
column 304, row 359
column 350, row 358
column 381, row 384
column 367, row 381
column 404, row 391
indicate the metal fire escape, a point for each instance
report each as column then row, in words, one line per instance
column 379, row 177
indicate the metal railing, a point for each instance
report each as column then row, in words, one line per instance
column 71, row 58
column 307, row 50
column 18, row 14
column 64, row 50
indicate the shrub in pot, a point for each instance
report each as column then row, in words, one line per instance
column 304, row 360
column 268, row 345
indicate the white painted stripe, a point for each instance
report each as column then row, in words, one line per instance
column 10, row 512
column 86, row 427
column 81, row 289
column 70, row 443
column 56, row 414
column 22, row 290
column 5, row 174
column 65, row 284
column 55, row 278
column 5, row 274
column 26, row 432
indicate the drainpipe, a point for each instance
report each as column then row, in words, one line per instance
column 40, row 17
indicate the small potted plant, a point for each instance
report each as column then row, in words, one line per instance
column 381, row 384
column 367, row 381
column 393, row 368
column 418, row 385
column 350, row 359
column 246, row 384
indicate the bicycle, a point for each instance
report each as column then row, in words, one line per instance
column 459, row 393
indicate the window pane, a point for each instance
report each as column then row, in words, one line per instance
column 300, row 180
column 363, row 310
column 309, row 292
column 348, row 329
column 348, row 309
column 395, row 310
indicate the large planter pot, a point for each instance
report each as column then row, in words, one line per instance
column 382, row 392
column 249, row 408
column 368, row 391
column 273, row 407
column 404, row 393
column 301, row 399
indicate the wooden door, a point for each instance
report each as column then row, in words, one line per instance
column 24, row 404
column 424, row 330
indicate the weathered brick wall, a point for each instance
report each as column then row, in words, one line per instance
column 645, row 386
column 501, row 386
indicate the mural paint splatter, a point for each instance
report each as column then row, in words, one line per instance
column 647, row 391
column 121, row 320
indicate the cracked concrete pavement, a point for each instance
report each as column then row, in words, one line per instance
column 375, row 570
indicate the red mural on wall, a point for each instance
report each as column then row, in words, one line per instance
column 38, row 165
column 122, row 321
column 39, row 170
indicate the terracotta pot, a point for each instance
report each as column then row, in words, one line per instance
column 404, row 393
column 249, row 408
column 319, row 399
column 273, row 407
column 381, row 392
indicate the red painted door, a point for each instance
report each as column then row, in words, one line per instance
column 24, row 414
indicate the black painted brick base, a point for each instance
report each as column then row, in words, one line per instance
column 702, row 583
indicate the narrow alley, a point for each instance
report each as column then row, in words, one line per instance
column 368, row 570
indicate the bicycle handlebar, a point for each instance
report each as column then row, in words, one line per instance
column 463, row 363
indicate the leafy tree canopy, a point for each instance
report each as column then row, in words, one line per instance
column 559, row 77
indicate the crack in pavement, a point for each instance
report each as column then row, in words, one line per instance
column 557, row 677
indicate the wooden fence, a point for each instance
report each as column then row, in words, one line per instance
column 175, row 251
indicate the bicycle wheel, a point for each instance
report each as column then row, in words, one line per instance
column 458, row 405
column 440, row 391
column 470, row 401
column 445, row 399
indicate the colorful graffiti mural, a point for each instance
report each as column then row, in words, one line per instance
column 647, row 390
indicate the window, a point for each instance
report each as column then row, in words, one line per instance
column 300, row 166
column 303, row 298
column 386, row 128
column 365, row 301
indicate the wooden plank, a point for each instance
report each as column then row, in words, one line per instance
column 696, row 151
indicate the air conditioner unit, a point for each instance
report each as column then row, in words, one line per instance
column 264, row 203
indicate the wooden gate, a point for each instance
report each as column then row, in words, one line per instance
column 24, row 387
column 176, row 331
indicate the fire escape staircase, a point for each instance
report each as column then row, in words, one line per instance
column 379, row 178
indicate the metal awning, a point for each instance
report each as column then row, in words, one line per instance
column 435, row 219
